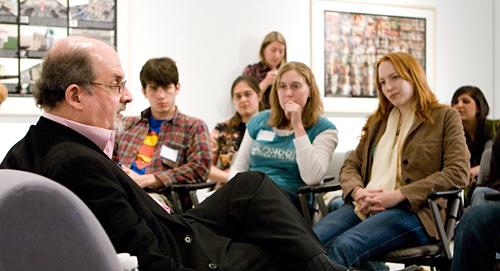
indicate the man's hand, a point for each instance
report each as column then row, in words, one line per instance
column 146, row 180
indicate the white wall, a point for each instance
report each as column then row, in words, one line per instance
column 213, row 40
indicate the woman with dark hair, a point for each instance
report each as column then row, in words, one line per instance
column 227, row 136
column 473, row 108
column 272, row 55
column 410, row 145
column 291, row 142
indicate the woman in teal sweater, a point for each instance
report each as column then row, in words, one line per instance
column 291, row 142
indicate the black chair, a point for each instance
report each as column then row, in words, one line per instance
column 492, row 196
column 436, row 255
column 180, row 190
column 319, row 208
column 319, row 205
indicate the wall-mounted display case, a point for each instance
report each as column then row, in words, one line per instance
column 29, row 28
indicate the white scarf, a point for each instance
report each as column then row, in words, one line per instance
column 387, row 159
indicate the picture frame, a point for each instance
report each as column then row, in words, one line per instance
column 346, row 77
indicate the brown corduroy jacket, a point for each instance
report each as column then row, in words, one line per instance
column 434, row 158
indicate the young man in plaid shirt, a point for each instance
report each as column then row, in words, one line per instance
column 162, row 146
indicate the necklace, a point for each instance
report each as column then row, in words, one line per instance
column 398, row 130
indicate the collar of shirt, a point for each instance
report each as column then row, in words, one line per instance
column 146, row 115
column 103, row 138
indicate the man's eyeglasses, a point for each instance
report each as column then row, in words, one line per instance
column 120, row 87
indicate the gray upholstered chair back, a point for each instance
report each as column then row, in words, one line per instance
column 45, row 227
column 484, row 167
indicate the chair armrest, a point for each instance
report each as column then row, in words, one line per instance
column 326, row 187
column 192, row 186
column 328, row 179
column 444, row 194
column 454, row 207
column 492, row 196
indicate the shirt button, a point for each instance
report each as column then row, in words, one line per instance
column 188, row 239
column 408, row 181
column 405, row 162
column 212, row 266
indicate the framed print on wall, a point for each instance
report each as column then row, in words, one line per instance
column 348, row 38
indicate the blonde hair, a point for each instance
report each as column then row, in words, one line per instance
column 3, row 93
column 410, row 70
column 313, row 109
column 273, row 36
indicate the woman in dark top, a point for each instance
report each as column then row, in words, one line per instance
column 470, row 102
column 272, row 56
column 227, row 136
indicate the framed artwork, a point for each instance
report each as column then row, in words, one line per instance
column 348, row 38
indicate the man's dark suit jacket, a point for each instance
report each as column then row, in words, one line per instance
column 134, row 222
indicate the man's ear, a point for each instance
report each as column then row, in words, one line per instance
column 73, row 96
column 177, row 88
column 144, row 92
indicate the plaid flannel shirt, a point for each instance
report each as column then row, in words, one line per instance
column 189, row 136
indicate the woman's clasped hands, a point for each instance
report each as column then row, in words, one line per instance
column 372, row 201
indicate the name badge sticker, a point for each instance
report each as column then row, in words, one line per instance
column 264, row 135
column 169, row 153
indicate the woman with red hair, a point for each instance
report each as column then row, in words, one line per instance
column 410, row 146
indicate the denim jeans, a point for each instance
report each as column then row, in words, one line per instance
column 335, row 204
column 350, row 241
column 478, row 195
column 477, row 238
column 478, row 198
